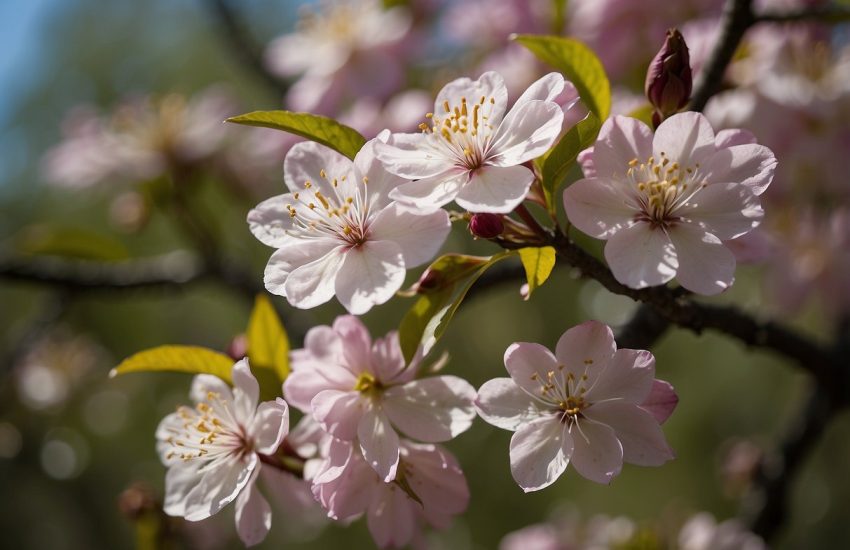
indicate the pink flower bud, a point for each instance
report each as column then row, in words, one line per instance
column 669, row 80
column 486, row 226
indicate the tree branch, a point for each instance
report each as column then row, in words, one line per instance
column 820, row 14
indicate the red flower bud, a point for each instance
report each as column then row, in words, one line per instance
column 486, row 226
column 669, row 81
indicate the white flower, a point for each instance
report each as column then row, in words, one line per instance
column 338, row 233
column 471, row 151
column 213, row 452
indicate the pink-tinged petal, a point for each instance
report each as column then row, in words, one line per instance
column 597, row 453
column 428, row 194
column 311, row 284
column 388, row 363
column 294, row 254
column 438, row 481
column 503, row 404
column 546, row 88
column 726, row 210
column 641, row 256
column 628, row 375
column 356, row 343
column 431, row 409
column 218, row 487
column 529, row 364
column 642, row 440
column 540, row 452
column 270, row 425
column 180, row 480
column 338, row 457
column 246, row 391
column 307, row 160
column 338, row 412
column 203, row 384
column 705, row 265
column 732, row 137
column 392, row 517
column 270, row 220
column 253, row 514
column 370, row 275
column 294, row 498
column 418, row 236
column 585, row 160
column 528, row 131
column 349, row 493
column 412, row 156
column 495, row 189
column 686, row 138
column 585, row 349
column 599, row 207
column 621, row 140
column 489, row 85
column 379, row 443
column 661, row 401
column 323, row 344
column 302, row 385
column 750, row 164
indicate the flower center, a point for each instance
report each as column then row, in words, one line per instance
column 367, row 384
column 209, row 432
column 341, row 212
column 660, row 187
column 566, row 394
column 462, row 131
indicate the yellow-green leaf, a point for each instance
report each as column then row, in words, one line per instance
column 643, row 114
column 579, row 64
column 538, row 264
column 189, row 359
column 320, row 129
column 268, row 344
column 415, row 323
column 563, row 156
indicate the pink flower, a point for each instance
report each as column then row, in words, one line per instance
column 338, row 233
column 358, row 389
column 702, row 532
column 471, row 152
column 666, row 203
column 213, row 451
column 589, row 403
column 347, row 487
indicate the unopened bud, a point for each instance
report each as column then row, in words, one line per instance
column 137, row 500
column 486, row 226
column 669, row 81
column 238, row 347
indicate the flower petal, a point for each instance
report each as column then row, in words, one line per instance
column 270, row 220
column 640, row 256
column 495, row 189
column 540, row 452
column 731, row 137
column 270, row 425
column 430, row 193
column 311, row 284
column 202, row 384
column 661, row 401
column 628, row 375
column 621, row 140
column 599, row 207
column 302, row 385
column 726, row 210
column 418, row 236
column 749, row 164
column 545, row 88
column 438, row 479
column 597, row 454
column 307, row 160
column 391, row 517
column 412, row 156
column 246, row 392
column 706, row 266
column 379, row 443
column 503, row 404
column 431, row 409
column 294, row 254
column 639, row 434
column 528, row 131
column 388, row 364
column 338, row 412
column 686, row 138
column 379, row 180
column 489, row 85
column 218, row 487
column 180, row 479
column 529, row 364
column 253, row 514
column 585, row 349
column 370, row 275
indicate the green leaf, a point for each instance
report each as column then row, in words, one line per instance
column 579, row 64
column 190, row 359
column 443, row 272
column 643, row 114
column 70, row 242
column 538, row 264
column 320, row 129
column 415, row 322
column 268, row 344
column 563, row 156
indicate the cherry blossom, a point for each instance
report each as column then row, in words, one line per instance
column 470, row 151
column 665, row 204
column 583, row 404
column 359, row 389
column 338, row 233
column 213, row 451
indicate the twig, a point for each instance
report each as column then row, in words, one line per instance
column 821, row 14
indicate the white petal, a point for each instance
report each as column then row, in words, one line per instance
column 495, row 189
column 246, row 392
column 180, row 479
column 412, row 156
column 706, row 266
column 270, row 425
column 639, row 434
column 545, row 88
column 431, row 409
column 428, row 194
column 312, row 284
column 726, row 210
column 306, row 161
column 253, row 514
column 528, row 364
column 528, row 131
column 640, row 256
column 489, row 85
column 370, row 275
column 379, row 180
column 503, row 404
column 586, row 349
column 540, row 452
column 686, row 138
column 628, row 375
column 290, row 257
column 338, row 412
column 621, row 140
column 749, row 164
column 599, row 207
column 202, row 384
column 219, row 487
column 597, row 453
column 419, row 236
column 378, row 443
column 270, row 220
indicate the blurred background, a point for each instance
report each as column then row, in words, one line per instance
column 115, row 167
